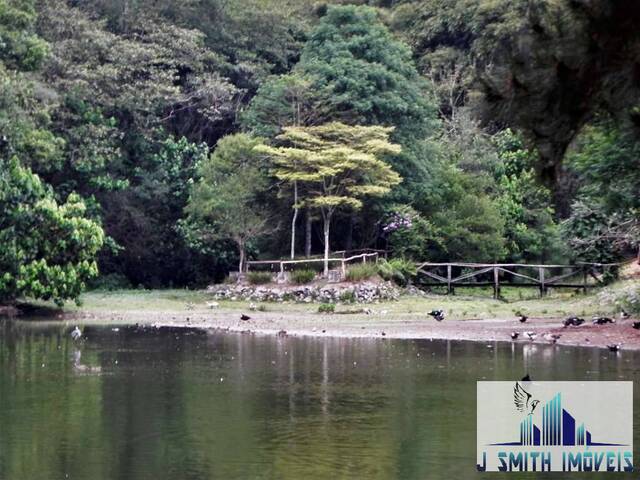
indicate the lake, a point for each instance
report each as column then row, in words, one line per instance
column 177, row 404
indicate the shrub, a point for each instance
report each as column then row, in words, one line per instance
column 326, row 308
column 397, row 270
column 259, row 278
column 348, row 296
column 627, row 298
column 361, row 272
column 303, row 276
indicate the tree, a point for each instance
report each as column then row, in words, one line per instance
column 226, row 202
column 338, row 164
column 48, row 249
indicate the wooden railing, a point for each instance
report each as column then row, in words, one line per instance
column 543, row 277
column 281, row 265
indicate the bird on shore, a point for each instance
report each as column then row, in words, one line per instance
column 514, row 335
column 531, row 335
column 573, row 321
column 624, row 315
column 521, row 317
column 526, row 378
column 282, row 333
column 213, row 305
column 245, row 317
column 253, row 307
column 437, row 314
column 552, row 337
column 76, row 333
column 614, row 347
column 636, row 325
column 602, row 320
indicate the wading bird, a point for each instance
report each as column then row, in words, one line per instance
column 76, row 333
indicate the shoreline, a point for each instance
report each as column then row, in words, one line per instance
column 404, row 327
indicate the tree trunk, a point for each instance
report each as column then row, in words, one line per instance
column 327, row 223
column 242, row 255
column 307, row 238
column 295, row 217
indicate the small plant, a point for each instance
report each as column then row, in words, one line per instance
column 360, row 272
column 327, row 308
column 258, row 278
column 348, row 296
column 300, row 277
column 398, row 270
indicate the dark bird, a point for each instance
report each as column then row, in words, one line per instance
column 602, row 320
column 245, row 317
column 523, row 400
column 531, row 335
column 522, row 318
column 514, row 335
column 624, row 315
column 437, row 314
column 573, row 321
column 615, row 347
column 526, row 378
column 282, row 333
column 636, row 325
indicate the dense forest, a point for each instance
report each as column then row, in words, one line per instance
column 161, row 142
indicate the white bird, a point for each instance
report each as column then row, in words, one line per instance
column 253, row 306
column 76, row 333
column 531, row 335
column 213, row 304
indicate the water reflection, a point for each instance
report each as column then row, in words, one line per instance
column 167, row 404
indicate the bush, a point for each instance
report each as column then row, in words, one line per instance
column 327, row 308
column 348, row 296
column 300, row 277
column 397, row 270
column 361, row 272
column 259, row 278
column 627, row 299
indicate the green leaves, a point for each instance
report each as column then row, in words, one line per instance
column 49, row 250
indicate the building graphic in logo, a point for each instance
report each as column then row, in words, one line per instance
column 553, row 437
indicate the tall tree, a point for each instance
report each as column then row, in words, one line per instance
column 226, row 202
column 338, row 164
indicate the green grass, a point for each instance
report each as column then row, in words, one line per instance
column 259, row 278
column 300, row 277
column 360, row 272
column 465, row 305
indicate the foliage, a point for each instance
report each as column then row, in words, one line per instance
column 48, row 248
column 399, row 270
column 327, row 308
column 360, row 272
column 225, row 202
column 338, row 165
column 409, row 234
column 259, row 278
column 302, row 276
column 626, row 298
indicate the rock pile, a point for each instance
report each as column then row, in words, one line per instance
column 359, row 293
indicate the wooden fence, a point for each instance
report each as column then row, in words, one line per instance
column 543, row 277
column 281, row 265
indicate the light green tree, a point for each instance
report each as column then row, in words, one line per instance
column 338, row 165
column 226, row 202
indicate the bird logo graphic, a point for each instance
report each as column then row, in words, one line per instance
column 523, row 400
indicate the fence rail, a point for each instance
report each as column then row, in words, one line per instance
column 342, row 261
column 543, row 277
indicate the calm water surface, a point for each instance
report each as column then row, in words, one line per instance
column 177, row 405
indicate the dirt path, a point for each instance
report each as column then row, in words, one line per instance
column 377, row 325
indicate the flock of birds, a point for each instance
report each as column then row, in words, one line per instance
column 574, row 322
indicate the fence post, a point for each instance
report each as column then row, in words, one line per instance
column 448, row 279
column 496, row 282
column 344, row 270
column 541, row 279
